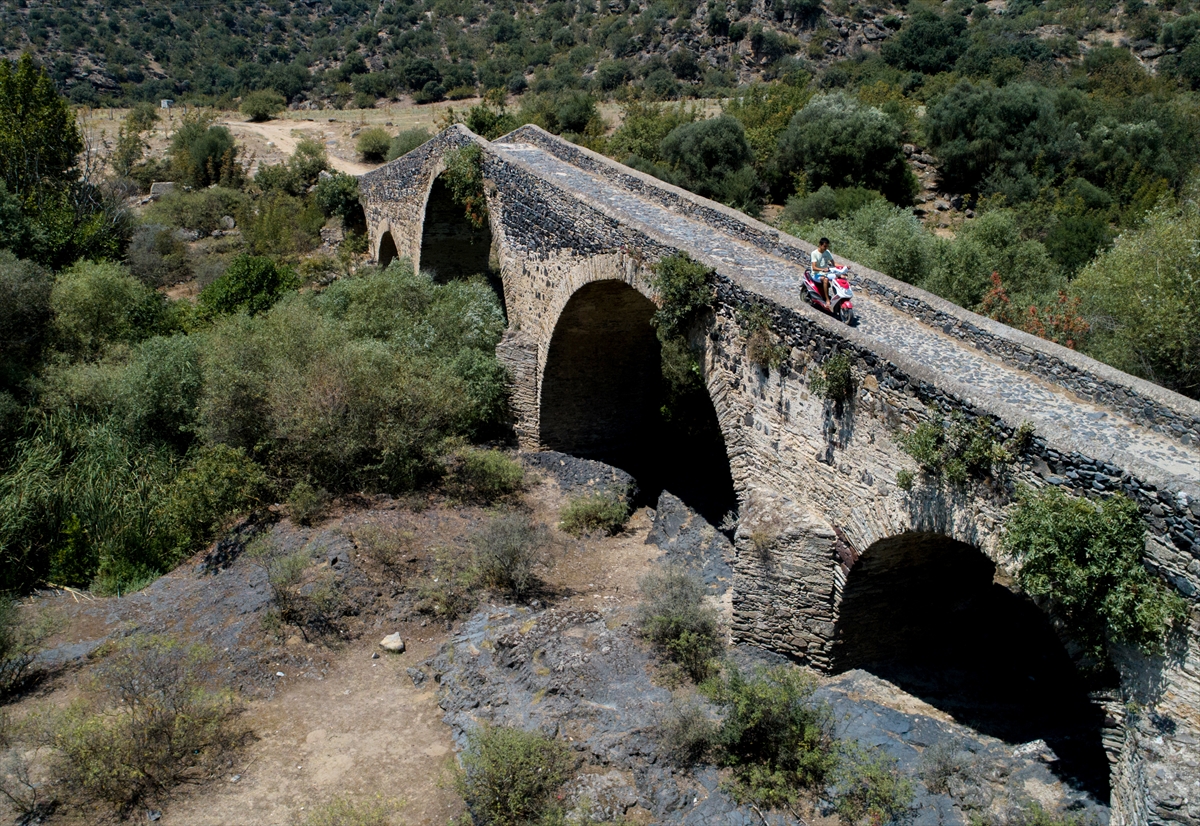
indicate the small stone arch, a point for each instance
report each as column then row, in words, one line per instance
column 387, row 252
column 937, row 618
column 602, row 396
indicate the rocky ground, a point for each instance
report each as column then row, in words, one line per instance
column 333, row 714
column 584, row 675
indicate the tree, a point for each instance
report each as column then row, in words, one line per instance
column 706, row 152
column 251, row 284
column 927, row 43
column 203, row 154
column 982, row 134
column 836, row 140
column 373, row 143
column 1140, row 296
column 39, row 139
column 262, row 105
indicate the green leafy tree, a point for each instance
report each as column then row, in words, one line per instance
column 337, row 194
column 251, row 284
column 836, row 140
column 1156, row 339
column 927, row 42
column 39, row 139
column 203, row 154
column 1086, row 558
column 712, row 158
column 373, row 144
column 262, row 105
column 982, row 133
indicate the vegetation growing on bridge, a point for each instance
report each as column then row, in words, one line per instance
column 685, row 294
column 464, row 179
column 1085, row 558
column 833, row 379
column 958, row 449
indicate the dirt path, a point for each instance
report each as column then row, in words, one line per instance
column 363, row 730
column 282, row 136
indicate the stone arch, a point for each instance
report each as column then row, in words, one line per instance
column 387, row 252
column 602, row 394
column 450, row 245
column 935, row 617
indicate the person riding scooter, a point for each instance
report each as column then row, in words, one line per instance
column 822, row 262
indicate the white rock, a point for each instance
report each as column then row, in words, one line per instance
column 392, row 642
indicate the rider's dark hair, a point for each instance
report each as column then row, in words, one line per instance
column 824, row 241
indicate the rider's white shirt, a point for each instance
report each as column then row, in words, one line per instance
column 822, row 259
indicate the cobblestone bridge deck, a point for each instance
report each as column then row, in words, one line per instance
column 1058, row 414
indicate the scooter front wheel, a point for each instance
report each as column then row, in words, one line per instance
column 845, row 314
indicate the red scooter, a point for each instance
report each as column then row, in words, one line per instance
column 840, row 303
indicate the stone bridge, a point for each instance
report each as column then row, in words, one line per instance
column 836, row 565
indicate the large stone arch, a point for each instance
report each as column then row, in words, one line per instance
column 939, row 619
column 602, row 393
column 449, row 245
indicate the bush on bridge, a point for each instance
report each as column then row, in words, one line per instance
column 1085, row 557
column 685, row 290
column 464, row 178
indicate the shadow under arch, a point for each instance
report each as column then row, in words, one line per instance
column 451, row 246
column 387, row 250
column 602, row 397
column 929, row 614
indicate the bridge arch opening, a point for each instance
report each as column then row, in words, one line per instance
column 451, row 246
column 932, row 616
column 604, row 397
column 387, row 250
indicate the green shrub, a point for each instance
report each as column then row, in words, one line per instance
column 280, row 224
column 761, row 347
column 507, row 550
column 201, row 210
column 604, row 511
column 156, row 257
column 827, row 204
column 959, row 448
column 215, row 483
column 708, row 155
column 927, row 42
column 203, row 154
column 904, row 479
column 252, row 284
column 511, row 777
column 1146, row 338
column 98, row 304
column 408, row 140
column 299, row 173
column 464, row 179
column 337, row 195
column 675, row 616
column 834, row 379
column 1085, row 558
column 152, row 719
column 868, row 787
column 485, row 474
column 262, row 105
column 307, row 504
column 360, row 386
column 836, row 140
column 685, row 292
column 779, row 742
column 687, row 731
column 25, row 315
column 373, row 144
